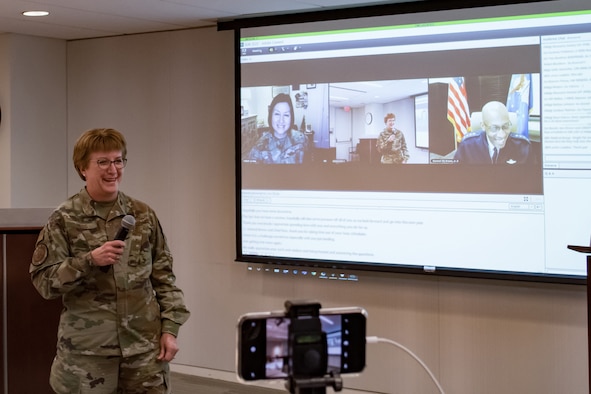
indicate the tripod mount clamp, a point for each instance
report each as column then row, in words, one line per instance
column 308, row 350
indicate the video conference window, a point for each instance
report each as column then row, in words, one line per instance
column 316, row 124
column 443, row 126
column 298, row 125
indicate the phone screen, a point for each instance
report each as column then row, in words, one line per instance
column 263, row 343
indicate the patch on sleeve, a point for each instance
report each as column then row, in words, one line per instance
column 40, row 254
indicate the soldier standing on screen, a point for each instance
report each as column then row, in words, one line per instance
column 391, row 143
column 122, row 310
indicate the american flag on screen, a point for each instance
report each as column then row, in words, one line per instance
column 457, row 107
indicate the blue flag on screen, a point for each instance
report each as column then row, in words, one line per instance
column 520, row 100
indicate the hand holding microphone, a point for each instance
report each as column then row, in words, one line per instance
column 110, row 252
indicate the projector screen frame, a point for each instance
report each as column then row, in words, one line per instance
column 377, row 10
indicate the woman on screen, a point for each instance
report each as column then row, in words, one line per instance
column 282, row 144
column 391, row 143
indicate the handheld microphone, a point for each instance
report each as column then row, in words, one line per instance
column 127, row 224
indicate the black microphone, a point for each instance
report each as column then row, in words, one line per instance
column 127, row 224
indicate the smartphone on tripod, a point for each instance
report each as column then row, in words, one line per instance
column 263, row 342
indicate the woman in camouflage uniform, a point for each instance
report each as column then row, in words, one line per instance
column 391, row 143
column 122, row 309
column 282, row 144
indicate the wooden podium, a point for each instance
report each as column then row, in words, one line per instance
column 28, row 323
column 587, row 251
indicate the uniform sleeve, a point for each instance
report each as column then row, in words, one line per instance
column 404, row 148
column 53, row 270
column 173, row 311
column 260, row 151
column 461, row 154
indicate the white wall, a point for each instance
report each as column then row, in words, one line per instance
column 33, row 156
column 5, row 167
column 172, row 95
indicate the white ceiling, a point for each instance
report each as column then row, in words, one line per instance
column 82, row 19
column 79, row 19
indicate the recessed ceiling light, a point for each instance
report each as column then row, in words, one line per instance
column 35, row 13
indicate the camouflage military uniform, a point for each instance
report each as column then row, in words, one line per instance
column 394, row 152
column 123, row 311
column 272, row 150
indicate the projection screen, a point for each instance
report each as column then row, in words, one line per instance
column 378, row 152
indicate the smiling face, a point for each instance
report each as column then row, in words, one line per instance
column 281, row 119
column 390, row 123
column 103, row 184
column 108, row 147
column 496, row 123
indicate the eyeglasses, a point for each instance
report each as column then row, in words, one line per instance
column 496, row 128
column 106, row 163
